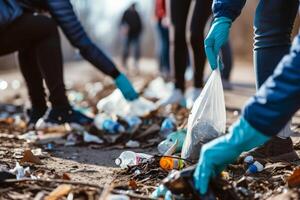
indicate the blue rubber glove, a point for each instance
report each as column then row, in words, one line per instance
column 217, row 36
column 217, row 154
column 162, row 191
column 126, row 87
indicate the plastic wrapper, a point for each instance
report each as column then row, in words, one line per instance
column 116, row 104
column 207, row 119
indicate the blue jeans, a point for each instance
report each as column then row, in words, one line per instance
column 163, row 33
column 278, row 98
column 134, row 42
column 273, row 25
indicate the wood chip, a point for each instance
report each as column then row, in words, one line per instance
column 59, row 192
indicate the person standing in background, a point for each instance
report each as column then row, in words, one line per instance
column 131, row 29
column 163, row 34
column 188, row 21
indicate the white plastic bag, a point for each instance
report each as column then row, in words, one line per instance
column 116, row 104
column 207, row 119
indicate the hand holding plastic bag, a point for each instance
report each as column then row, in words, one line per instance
column 207, row 119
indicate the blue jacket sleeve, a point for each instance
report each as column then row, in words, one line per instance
column 228, row 8
column 63, row 13
column 279, row 97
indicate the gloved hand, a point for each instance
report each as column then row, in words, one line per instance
column 162, row 191
column 216, row 38
column 217, row 154
column 126, row 87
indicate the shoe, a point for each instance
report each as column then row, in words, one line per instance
column 61, row 116
column 176, row 97
column 275, row 150
column 34, row 115
column 191, row 96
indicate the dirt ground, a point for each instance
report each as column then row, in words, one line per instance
column 96, row 165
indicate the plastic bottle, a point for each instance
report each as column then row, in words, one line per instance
column 168, row 163
column 164, row 146
column 254, row 168
column 133, row 123
column 104, row 122
column 249, row 160
column 111, row 126
column 128, row 158
column 168, row 126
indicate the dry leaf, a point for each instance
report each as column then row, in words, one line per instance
column 66, row 176
column 294, row 179
column 132, row 184
column 59, row 192
column 29, row 157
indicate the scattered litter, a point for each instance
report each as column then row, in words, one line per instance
column 168, row 126
column 128, row 158
column 159, row 89
column 165, row 145
column 137, row 172
column 118, row 197
column 49, row 147
column 88, row 138
column 30, row 136
column 168, row 163
column 104, row 122
column 249, row 160
column 133, row 123
column 117, row 105
column 254, row 168
column 132, row 144
column 20, row 172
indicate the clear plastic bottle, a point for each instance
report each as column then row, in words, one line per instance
column 164, row 146
column 104, row 122
column 168, row 126
column 112, row 126
column 128, row 158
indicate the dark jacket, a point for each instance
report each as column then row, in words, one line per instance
column 62, row 12
column 132, row 19
column 228, row 8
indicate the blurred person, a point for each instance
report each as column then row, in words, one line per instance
column 188, row 20
column 273, row 26
column 131, row 30
column 264, row 115
column 36, row 39
column 163, row 33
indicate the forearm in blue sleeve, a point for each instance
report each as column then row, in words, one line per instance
column 62, row 11
column 279, row 97
column 228, row 8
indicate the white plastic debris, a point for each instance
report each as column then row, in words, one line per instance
column 129, row 158
column 88, row 138
column 132, row 144
column 249, row 159
column 159, row 89
column 116, row 104
column 30, row 136
column 19, row 171
column 254, row 168
column 118, row 197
